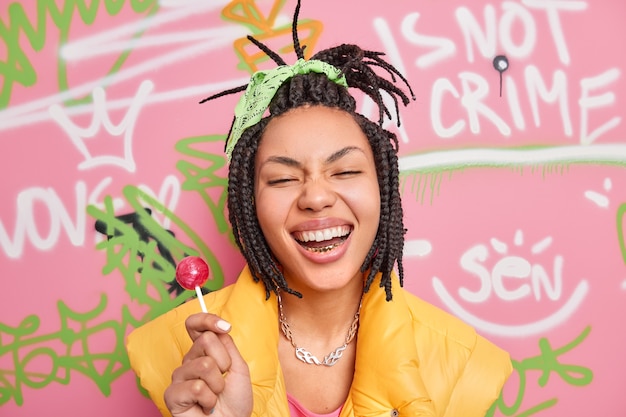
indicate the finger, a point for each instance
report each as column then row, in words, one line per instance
column 184, row 396
column 208, row 344
column 203, row 369
column 198, row 323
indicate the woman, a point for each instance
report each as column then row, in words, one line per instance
column 315, row 208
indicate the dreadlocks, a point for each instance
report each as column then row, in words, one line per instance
column 315, row 89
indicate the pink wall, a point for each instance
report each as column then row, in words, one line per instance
column 515, row 203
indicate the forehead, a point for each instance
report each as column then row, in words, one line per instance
column 309, row 132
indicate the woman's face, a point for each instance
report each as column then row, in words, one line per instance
column 317, row 196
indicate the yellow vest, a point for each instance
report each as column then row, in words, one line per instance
column 413, row 359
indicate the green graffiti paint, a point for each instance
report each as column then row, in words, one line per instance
column 18, row 32
column 201, row 179
column 148, row 264
column 621, row 213
column 547, row 362
column 71, row 348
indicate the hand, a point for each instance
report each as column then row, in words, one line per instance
column 213, row 379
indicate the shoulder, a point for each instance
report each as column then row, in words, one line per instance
column 475, row 368
column 433, row 323
column 430, row 318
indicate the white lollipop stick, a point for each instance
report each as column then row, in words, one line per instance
column 201, row 299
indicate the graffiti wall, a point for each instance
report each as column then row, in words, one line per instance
column 513, row 160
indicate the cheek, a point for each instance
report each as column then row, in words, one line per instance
column 271, row 212
column 365, row 202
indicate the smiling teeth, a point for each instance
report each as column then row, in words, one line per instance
column 322, row 235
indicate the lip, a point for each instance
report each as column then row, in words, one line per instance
column 318, row 224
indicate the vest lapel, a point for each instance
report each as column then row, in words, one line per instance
column 387, row 375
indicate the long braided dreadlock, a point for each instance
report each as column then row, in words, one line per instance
column 310, row 89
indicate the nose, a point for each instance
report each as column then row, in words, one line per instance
column 316, row 195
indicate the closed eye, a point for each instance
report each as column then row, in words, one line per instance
column 280, row 181
column 347, row 173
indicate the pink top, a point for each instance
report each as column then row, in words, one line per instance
column 297, row 410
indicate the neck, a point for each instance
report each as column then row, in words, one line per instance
column 323, row 315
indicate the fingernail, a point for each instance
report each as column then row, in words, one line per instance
column 223, row 325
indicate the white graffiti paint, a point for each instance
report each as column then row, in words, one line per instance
column 474, row 90
column 28, row 227
column 446, row 160
column 601, row 200
column 589, row 102
column 531, row 280
column 489, row 36
column 115, row 40
column 44, row 235
column 80, row 135
column 111, row 41
column 529, row 329
column 417, row 248
column 443, row 48
column 501, row 30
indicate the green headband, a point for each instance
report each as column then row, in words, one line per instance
column 261, row 89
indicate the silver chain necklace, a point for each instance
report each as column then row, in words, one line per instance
column 306, row 356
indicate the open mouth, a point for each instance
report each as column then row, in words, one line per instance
column 324, row 240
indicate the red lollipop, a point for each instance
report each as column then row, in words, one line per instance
column 191, row 273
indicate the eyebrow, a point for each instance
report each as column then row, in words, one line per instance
column 335, row 156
